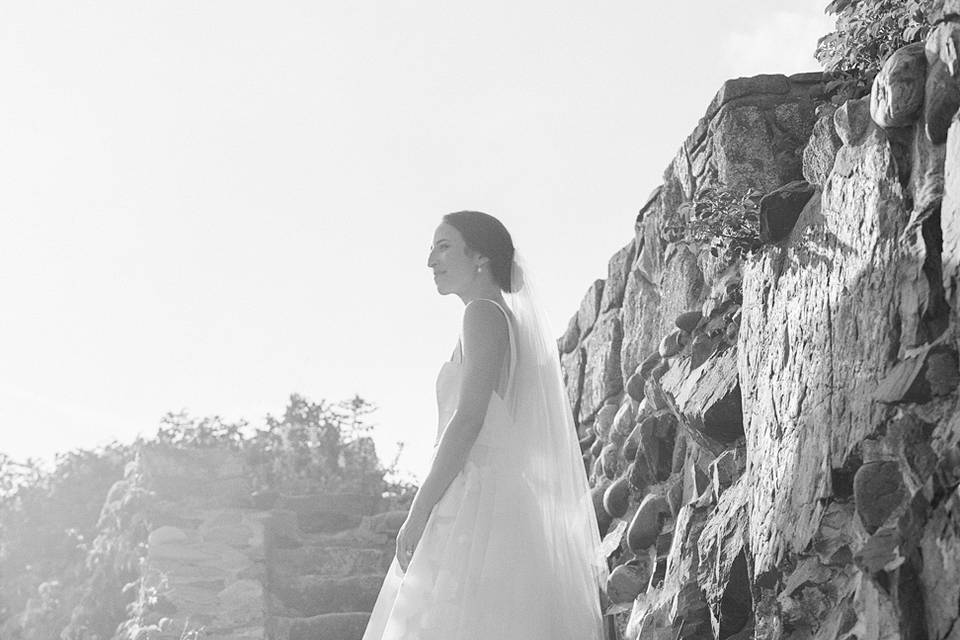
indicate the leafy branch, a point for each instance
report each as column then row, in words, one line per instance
column 726, row 222
column 868, row 31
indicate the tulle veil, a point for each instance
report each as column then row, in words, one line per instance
column 547, row 445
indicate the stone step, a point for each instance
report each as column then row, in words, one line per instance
column 385, row 522
column 328, row 512
column 332, row 561
column 283, row 531
column 314, row 595
column 323, row 522
column 352, row 538
column 327, row 626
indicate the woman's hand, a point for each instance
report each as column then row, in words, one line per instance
column 408, row 537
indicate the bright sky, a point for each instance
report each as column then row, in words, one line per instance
column 210, row 205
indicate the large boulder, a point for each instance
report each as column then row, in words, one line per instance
column 629, row 580
column 821, row 149
column 681, row 286
column 616, row 283
column 852, row 120
column 589, row 307
column 602, row 377
column 780, row 209
column 878, row 490
column 940, row 546
column 897, row 93
column 722, row 572
column 572, row 366
column 709, row 398
column 647, row 522
column 616, row 499
column 641, row 322
column 571, row 337
column 942, row 99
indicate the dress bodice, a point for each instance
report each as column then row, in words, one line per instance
column 448, row 390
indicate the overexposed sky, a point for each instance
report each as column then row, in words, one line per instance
column 208, row 205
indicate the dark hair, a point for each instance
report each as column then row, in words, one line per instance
column 487, row 236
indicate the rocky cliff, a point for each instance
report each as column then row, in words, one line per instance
column 772, row 442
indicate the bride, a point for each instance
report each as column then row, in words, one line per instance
column 501, row 541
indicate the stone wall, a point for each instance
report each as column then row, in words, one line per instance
column 220, row 563
column 202, row 571
column 773, row 444
column 749, row 137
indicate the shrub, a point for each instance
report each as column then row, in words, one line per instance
column 48, row 527
column 868, row 31
column 726, row 222
column 316, row 447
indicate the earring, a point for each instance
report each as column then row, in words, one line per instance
column 479, row 269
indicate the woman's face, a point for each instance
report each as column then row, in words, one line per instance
column 453, row 270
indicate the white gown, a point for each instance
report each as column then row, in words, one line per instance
column 483, row 568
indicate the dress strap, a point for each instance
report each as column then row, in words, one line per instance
column 512, row 356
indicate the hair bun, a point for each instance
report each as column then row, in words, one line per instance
column 487, row 236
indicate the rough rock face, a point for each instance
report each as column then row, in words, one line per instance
column 751, row 136
column 822, row 314
column 785, row 462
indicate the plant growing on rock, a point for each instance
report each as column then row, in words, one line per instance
column 866, row 33
column 724, row 221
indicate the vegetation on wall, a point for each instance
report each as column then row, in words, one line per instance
column 866, row 33
column 723, row 221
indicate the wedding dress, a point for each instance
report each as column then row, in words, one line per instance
column 498, row 558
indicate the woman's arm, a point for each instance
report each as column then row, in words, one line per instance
column 485, row 344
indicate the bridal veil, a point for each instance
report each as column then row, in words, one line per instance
column 547, row 445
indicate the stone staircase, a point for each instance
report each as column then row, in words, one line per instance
column 326, row 557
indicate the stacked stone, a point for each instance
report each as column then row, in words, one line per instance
column 850, row 419
column 327, row 555
column 880, row 531
column 223, row 564
column 684, row 449
column 653, row 377
column 783, row 460
column 204, row 566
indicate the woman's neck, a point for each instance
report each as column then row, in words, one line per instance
column 486, row 293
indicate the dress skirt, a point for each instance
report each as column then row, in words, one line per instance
column 483, row 568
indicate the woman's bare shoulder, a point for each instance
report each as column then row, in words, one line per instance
column 484, row 324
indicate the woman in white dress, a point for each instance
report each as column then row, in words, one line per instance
column 501, row 541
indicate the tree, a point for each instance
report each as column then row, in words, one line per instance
column 868, row 31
